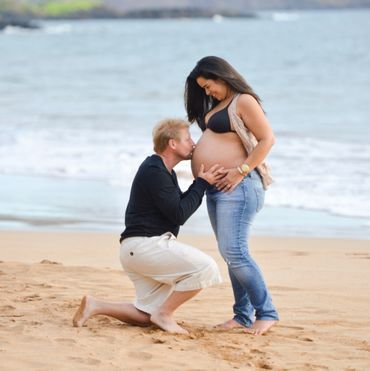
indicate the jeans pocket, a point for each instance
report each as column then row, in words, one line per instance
column 260, row 197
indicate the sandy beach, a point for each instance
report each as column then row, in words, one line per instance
column 320, row 287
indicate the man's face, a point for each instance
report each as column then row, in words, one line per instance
column 184, row 145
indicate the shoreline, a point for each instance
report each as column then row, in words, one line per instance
column 312, row 280
column 73, row 210
column 273, row 222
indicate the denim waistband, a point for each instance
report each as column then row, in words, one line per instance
column 254, row 175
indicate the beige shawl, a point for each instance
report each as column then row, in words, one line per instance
column 248, row 139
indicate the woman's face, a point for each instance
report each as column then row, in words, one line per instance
column 215, row 88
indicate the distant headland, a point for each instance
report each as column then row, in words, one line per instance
column 20, row 13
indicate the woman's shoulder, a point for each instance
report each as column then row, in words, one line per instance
column 246, row 99
column 247, row 104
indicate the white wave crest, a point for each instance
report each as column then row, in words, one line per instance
column 58, row 29
column 321, row 175
column 284, row 17
column 308, row 173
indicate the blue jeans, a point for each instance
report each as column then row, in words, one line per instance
column 231, row 216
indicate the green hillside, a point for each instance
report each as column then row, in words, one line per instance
column 52, row 8
column 161, row 8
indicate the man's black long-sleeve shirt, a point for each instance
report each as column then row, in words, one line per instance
column 156, row 203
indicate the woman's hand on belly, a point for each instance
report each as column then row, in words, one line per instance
column 230, row 181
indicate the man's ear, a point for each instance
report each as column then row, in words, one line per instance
column 172, row 143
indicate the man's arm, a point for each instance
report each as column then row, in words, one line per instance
column 167, row 196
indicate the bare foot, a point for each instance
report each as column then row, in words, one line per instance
column 167, row 323
column 261, row 326
column 84, row 312
column 229, row 324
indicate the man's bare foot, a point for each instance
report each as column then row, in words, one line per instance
column 231, row 323
column 167, row 323
column 261, row 326
column 84, row 312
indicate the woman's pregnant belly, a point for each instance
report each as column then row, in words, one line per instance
column 213, row 148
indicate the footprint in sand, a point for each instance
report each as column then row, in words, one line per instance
column 93, row 362
column 9, row 311
column 292, row 327
column 257, row 351
column 299, row 253
column 158, row 340
column 108, row 339
column 66, row 341
column 27, row 298
column 265, row 366
column 34, row 323
column 140, row 355
column 89, row 361
column 365, row 346
column 43, row 285
column 46, row 261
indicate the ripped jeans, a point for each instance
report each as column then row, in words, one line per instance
column 231, row 216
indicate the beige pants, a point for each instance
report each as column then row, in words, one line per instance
column 160, row 265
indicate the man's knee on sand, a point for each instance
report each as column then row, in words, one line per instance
column 206, row 275
column 212, row 273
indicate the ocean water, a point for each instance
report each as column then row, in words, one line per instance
column 78, row 100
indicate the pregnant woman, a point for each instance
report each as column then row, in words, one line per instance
column 236, row 135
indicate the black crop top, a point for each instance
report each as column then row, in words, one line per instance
column 219, row 122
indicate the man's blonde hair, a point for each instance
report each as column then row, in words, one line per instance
column 165, row 130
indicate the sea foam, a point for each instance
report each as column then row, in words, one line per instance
column 308, row 173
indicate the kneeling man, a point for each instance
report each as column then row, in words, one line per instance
column 166, row 273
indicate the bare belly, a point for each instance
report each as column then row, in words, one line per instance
column 213, row 148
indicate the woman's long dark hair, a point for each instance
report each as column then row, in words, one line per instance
column 197, row 102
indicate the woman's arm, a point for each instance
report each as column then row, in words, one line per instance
column 255, row 120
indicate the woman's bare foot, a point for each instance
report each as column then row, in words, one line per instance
column 167, row 323
column 231, row 323
column 84, row 312
column 261, row 326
